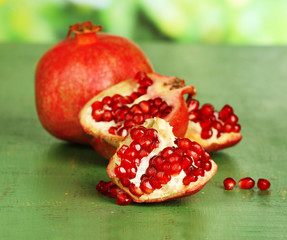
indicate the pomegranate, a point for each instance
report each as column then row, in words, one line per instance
column 152, row 165
column 212, row 129
column 109, row 116
column 77, row 68
column 229, row 183
column 246, row 183
column 263, row 184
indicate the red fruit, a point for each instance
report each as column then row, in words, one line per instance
column 112, row 190
column 246, row 183
column 263, row 184
column 167, row 172
column 211, row 129
column 229, row 183
column 163, row 99
column 77, row 68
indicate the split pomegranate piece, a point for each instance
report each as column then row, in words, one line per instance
column 229, row 183
column 152, row 165
column 110, row 115
column 246, row 183
column 112, row 190
column 263, row 184
column 212, row 129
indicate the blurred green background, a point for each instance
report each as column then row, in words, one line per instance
column 252, row 22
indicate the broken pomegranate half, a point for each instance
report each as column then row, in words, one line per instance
column 110, row 115
column 152, row 165
column 214, row 130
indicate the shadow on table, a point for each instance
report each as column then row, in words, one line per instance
column 80, row 154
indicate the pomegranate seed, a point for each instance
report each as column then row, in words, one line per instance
column 189, row 178
column 246, row 183
column 194, row 116
column 156, row 161
column 144, row 106
column 172, row 158
column 137, row 133
column 131, row 173
column 145, row 142
column 126, row 163
column 162, row 177
column 192, row 104
column 236, row 128
column 166, row 152
column 206, row 123
column 140, row 76
column 120, row 172
column 225, row 112
column 122, row 150
column 151, row 171
column 157, row 102
column 135, row 190
column 113, row 191
column 175, row 167
column 112, row 130
column 123, row 198
column 151, row 133
column 217, row 125
column 183, row 143
column 97, row 105
column 194, row 155
column 146, row 187
column 163, row 106
column 97, row 115
column 186, row 162
column 107, row 100
column 206, row 166
column 227, row 128
column 125, row 182
column 154, row 183
column 207, row 109
column 229, row 183
column 146, row 82
column 263, row 184
column 135, row 109
column 232, row 119
column 206, row 133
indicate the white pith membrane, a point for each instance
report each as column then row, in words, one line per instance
column 175, row 187
column 213, row 143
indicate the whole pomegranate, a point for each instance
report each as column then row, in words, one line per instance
column 76, row 69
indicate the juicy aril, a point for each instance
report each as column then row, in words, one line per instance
column 214, row 130
column 152, row 165
column 77, row 68
column 110, row 115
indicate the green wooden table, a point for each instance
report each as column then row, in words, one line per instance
column 47, row 187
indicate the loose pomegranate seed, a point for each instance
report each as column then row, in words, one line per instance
column 263, row 184
column 246, row 183
column 123, row 198
column 229, row 183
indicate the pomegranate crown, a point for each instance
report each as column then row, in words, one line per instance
column 82, row 28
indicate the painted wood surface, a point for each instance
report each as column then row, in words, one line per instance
column 47, row 186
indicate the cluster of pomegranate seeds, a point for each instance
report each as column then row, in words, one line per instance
column 188, row 156
column 224, row 121
column 116, row 108
column 112, row 190
column 246, row 183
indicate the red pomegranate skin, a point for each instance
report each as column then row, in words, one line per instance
column 76, row 69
